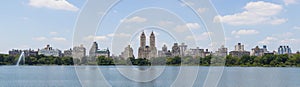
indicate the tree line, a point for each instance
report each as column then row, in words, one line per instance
column 259, row 61
column 6, row 59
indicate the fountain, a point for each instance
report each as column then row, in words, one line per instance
column 22, row 57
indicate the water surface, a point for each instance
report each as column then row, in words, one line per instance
column 66, row 76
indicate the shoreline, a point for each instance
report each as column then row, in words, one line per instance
column 154, row 65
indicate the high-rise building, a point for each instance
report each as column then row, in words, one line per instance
column 127, row 53
column 183, row 49
column 195, row 53
column 284, row 50
column 239, row 51
column 103, row 52
column 239, row 47
column 175, row 50
column 92, row 52
column 49, row 51
column 27, row 53
column 68, row 53
column 96, row 52
column 164, row 52
column 147, row 51
column 222, row 51
column 259, row 51
column 79, row 52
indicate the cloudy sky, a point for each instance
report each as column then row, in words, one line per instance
column 35, row 23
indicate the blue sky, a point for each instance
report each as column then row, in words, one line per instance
column 34, row 23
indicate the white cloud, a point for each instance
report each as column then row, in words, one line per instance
column 181, row 28
column 119, row 35
column 278, row 21
column 287, row 2
column 165, row 23
column 53, row 4
column 245, row 32
column 193, row 25
column 280, row 39
column 202, row 10
column 268, row 40
column 39, row 38
column 186, row 27
column 136, row 19
column 201, row 37
column 59, row 39
column 284, row 35
column 53, row 33
column 255, row 13
column 185, row 3
column 96, row 38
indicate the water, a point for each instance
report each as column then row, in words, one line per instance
column 66, row 76
column 20, row 58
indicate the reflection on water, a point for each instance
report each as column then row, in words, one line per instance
column 65, row 76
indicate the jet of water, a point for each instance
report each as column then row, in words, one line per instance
column 22, row 57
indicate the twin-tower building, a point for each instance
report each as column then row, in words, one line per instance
column 146, row 51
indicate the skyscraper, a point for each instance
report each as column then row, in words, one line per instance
column 92, row 53
column 183, row 49
column 79, row 52
column 127, row 53
column 239, row 51
column 147, row 51
column 222, row 51
column 284, row 50
column 175, row 50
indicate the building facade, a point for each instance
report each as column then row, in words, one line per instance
column 68, row 53
column 164, row 52
column 79, row 52
column 195, row 53
column 96, row 52
column 92, row 52
column 175, row 50
column 284, row 50
column 259, row 51
column 103, row 52
column 222, row 51
column 49, row 51
column 27, row 53
column 127, row 53
column 145, row 51
column 239, row 51
column 183, row 49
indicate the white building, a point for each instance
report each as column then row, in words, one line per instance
column 127, row 53
column 196, row 53
column 239, row 51
column 49, row 51
column 222, row 51
column 79, row 52
column 183, row 49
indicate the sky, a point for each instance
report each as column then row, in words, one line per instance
column 35, row 23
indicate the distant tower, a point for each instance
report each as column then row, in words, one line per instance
column 175, row 50
column 128, row 52
column 93, row 51
column 143, row 40
column 183, row 48
column 147, row 51
column 152, row 40
column 153, row 49
column 79, row 52
column 142, row 45
column 165, row 48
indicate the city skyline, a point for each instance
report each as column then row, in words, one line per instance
column 282, row 49
column 44, row 23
